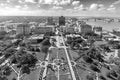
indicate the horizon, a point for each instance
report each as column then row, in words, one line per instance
column 58, row 16
column 95, row 8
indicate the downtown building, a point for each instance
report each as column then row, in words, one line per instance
column 50, row 21
column 85, row 28
column 23, row 29
column 70, row 30
column 3, row 28
column 67, row 29
column 3, row 31
column 98, row 30
column 44, row 29
column 62, row 21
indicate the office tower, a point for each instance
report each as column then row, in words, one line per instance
column 61, row 21
column 23, row 29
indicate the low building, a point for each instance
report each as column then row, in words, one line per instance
column 2, row 28
column 50, row 21
column 70, row 30
column 2, row 34
column 36, row 38
column 11, row 26
column 12, row 33
column 116, row 32
column 44, row 29
column 97, row 30
column 67, row 29
column 62, row 28
column 85, row 28
column 42, row 24
column 96, row 38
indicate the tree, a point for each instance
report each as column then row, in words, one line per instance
column 79, row 40
column 24, row 61
column 13, row 60
column 118, row 78
column 46, row 42
column 25, row 69
column 113, row 73
column 69, row 41
column 88, row 77
column 38, row 50
column 1, row 54
column 14, row 78
column 72, row 45
column 100, row 58
column 22, row 44
column 109, row 76
column 44, row 49
column 102, row 77
column 17, row 42
column 4, row 78
column 7, row 71
column 88, row 59
column 9, row 52
column 94, row 68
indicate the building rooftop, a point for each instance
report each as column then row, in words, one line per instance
column 37, row 36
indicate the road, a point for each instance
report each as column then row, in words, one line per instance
column 69, row 61
column 60, row 59
column 64, row 69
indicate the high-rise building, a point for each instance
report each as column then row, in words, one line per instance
column 61, row 21
column 50, row 21
column 23, row 29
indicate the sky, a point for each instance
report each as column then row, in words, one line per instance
column 109, row 8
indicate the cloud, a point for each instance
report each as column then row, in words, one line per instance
column 93, row 6
column 57, row 7
column 101, row 7
column 97, row 7
column 3, row 4
column 45, row 1
column 75, row 3
column 25, row 7
column 65, row 2
column 117, row 2
column 79, row 7
column 30, row 1
column 38, row 6
column 27, row 1
column 18, row 6
column 8, row 1
column 20, row 1
column 55, row 2
column 111, row 8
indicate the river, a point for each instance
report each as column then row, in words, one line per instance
column 106, row 26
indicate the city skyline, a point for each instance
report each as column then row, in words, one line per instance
column 109, row 8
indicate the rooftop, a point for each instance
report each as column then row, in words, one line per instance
column 37, row 36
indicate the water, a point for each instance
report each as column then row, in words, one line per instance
column 106, row 26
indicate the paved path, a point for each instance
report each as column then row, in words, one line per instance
column 68, row 59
